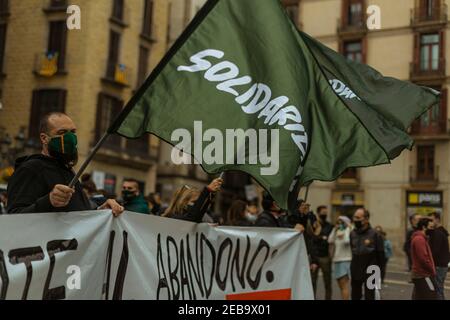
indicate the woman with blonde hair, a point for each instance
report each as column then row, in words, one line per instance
column 190, row 204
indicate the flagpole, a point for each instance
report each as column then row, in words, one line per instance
column 88, row 159
column 306, row 194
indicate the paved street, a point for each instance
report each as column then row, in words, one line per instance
column 396, row 285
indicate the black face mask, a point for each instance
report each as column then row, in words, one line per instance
column 358, row 224
column 323, row 217
column 64, row 149
column 429, row 232
column 128, row 195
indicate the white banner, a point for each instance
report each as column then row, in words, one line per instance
column 91, row 255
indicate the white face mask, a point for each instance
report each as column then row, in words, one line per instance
column 251, row 217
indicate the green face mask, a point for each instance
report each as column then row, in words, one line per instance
column 64, row 148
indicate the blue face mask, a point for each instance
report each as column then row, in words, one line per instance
column 341, row 226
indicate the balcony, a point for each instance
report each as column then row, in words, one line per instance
column 422, row 17
column 424, row 178
column 433, row 125
column 46, row 64
column 349, row 179
column 118, row 74
column 355, row 26
column 55, row 6
column 420, row 72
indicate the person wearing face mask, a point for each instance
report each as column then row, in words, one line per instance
column 367, row 250
column 423, row 271
column 438, row 239
column 341, row 253
column 40, row 182
column 238, row 215
column 132, row 197
column 320, row 242
column 413, row 220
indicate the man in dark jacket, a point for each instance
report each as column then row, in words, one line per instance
column 40, row 182
column 271, row 216
column 367, row 250
column 132, row 197
column 423, row 272
column 438, row 239
column 320, row 243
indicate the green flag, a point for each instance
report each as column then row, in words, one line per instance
column 248, row 89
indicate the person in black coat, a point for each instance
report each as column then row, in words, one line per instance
column 271, row 215
column 191, row 204
column 40, row 182
column 438, row 240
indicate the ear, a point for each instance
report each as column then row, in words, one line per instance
column 44, row 138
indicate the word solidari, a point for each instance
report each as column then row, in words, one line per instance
column 258, row 97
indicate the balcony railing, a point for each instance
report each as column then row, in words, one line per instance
column 434, row 128
column 424, row 16
column 433, row 69
column 46, row 64
column 418, row 177
column 357, row 24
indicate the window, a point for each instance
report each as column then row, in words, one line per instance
column 113, row 54
column 57, row 41
column 429, row 52
column 4, row 7
column 138, row 147
column 143, row 65
column 3, row 28
column 425, row 162
column 434, row 121
column 45, row 101
column 108, row 108
column 118, row 7
column 353, row 51
column 148, row 17
column 58, row 3
column 355, row 13
column 429, row 6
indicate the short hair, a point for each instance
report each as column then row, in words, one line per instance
column 366, row 212
column 423, row 222
column 319, row 208
column 44, row 126
column 435, row 214
column 132, row 180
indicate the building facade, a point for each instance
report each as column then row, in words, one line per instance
column 412, row 45
column 88, row 73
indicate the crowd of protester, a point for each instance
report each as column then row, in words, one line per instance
column 346, row 250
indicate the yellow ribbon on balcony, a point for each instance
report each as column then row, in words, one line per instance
column 120, row 74
column 49, row 65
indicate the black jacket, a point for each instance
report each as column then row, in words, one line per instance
column 438, row 240
column 306, row 221
column 33, row 180
column 198, row 210
column 266, row 219
column 320, row 242
column 367, row 249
